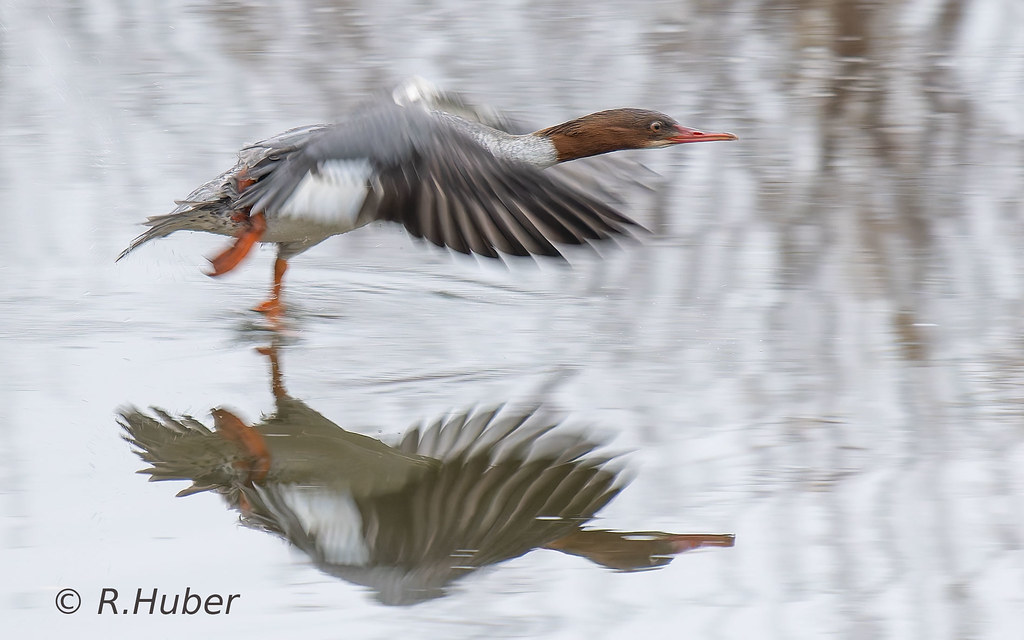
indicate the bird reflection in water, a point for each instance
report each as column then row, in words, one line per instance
column 467, row 491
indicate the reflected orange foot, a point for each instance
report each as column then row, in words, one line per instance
column 273, row 309
column 244, row 505
column 276, row 379
column 257, row 455
column 270, row 306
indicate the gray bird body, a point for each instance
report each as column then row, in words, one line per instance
column 424, row 159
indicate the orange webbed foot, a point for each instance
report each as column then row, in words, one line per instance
column 251, row 441
column 233, row 255
column 273, row 310
column 272, row 307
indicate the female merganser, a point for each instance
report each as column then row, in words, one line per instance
column 448, row 172
column 407, row 519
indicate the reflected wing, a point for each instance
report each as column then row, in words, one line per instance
column 510, row 481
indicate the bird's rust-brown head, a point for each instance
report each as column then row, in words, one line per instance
column 618, row 129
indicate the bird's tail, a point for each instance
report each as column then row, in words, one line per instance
column 159, row 226
column 205, row 216
column 179, row 449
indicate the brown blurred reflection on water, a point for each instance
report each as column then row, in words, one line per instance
column 821, row 350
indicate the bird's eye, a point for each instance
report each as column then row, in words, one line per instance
column 656, row 126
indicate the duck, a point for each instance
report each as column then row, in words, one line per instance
column 411, row 515
column 451, row 172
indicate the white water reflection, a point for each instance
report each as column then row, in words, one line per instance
column 820, row 352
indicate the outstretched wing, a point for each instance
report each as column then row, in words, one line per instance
column 430, row 175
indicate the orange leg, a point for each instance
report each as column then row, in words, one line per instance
column 232, row 256
column 273, row 306
column 257, row 456
column 276, row 379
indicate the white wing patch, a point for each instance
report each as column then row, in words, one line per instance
column 332, row 519
column 333, row 195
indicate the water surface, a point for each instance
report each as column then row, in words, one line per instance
column 819, row 349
